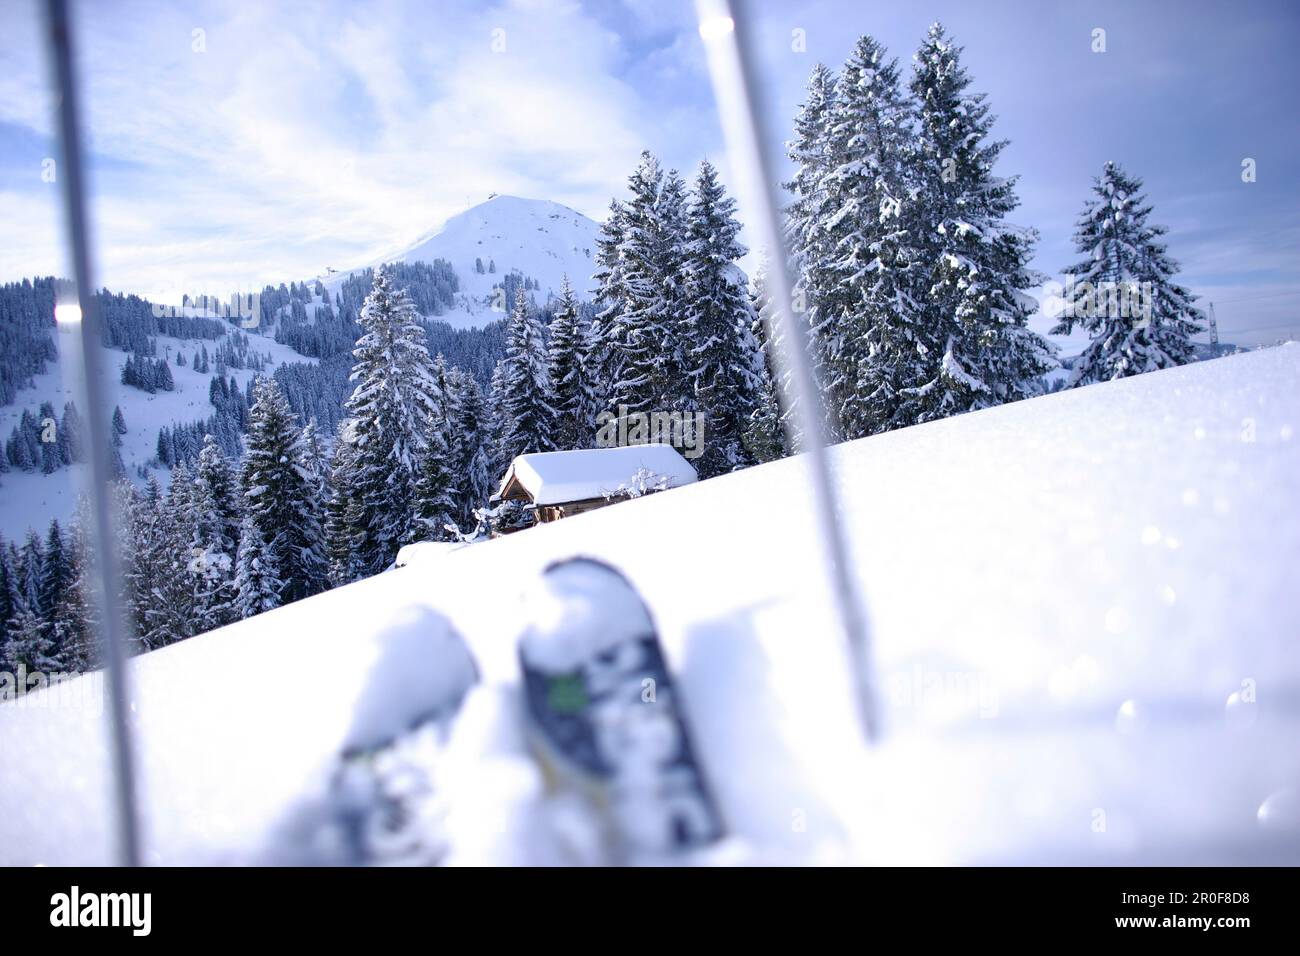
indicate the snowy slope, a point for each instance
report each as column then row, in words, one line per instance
column 31, row 499
column 535, row 237
column 1064, row 594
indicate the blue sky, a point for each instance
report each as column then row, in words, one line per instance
column 285, row 138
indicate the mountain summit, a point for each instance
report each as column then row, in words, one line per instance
column 537, row 238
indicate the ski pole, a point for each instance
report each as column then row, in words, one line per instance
column 725, row 31
column 82, row 308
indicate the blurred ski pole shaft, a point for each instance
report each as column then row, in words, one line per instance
column 725, row 29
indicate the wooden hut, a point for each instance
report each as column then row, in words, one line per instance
column 558, row 484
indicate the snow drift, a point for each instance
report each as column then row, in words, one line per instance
column 1085, row 612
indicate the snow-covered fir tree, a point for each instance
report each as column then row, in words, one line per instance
column 215, row 539
column 392, row 407
column 571, row 360
column 1123, row 293
column 118, row 425
column 27, row 641
column 810, row 151
column 217, row 498
column 71, row 435
column 279, row 497
column 436, row 484
column 72, row 621
column 31, row 558
column 116, row 467
column 139, row 509
column 10, row 596
column 161, row 583
column 980, row 351
column 344, row 527
column 644, row 336
column 610, row 294
column 527, row 397
column 765, row 436
column 476, row 478
column 859, row 257
column 498, row 424
column 720, row 350
column 56, row 572
column 435, row 498
column 258, row 585
column 315, row 461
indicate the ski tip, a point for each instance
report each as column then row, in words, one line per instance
column 579, row 608
column 421, row 669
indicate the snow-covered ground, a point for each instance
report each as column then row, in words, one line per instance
column 540, row 239
column 1086, row 624
column 32, row 499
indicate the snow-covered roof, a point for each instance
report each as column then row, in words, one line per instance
column 557, row 477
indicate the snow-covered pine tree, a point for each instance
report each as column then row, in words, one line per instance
column 56, row 579
column 435, row 498
column 646, row 333
column 27, row 641
column 166, row 556
column 56, row 572
column 675, row 388
column 116, row 467
column 31, row 558
column 765, row 436
column 72, row 621
column 527, row 396
column 279, row 496
column 1123, row 293
column 391, row 407
column 72, row 443
column 474, row 461
column 498, row 422
column 976, row 265
column 18, row 450
column 720, row 349
column 344, row 527
column 138, row 570
column 10, row 599
column 217, row 496
column 166, row 450
column 610, row 294
column 810, row 151
column 215, row 541
column 436, row 488
column 858, row 266
column 571, row 355
column 51, row 453
column 315, row 461
column 258, row 585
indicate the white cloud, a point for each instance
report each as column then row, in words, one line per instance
column 325, row 134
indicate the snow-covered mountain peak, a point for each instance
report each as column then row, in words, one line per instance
column 537, row 238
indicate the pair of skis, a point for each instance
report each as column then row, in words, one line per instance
column 602, row 719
